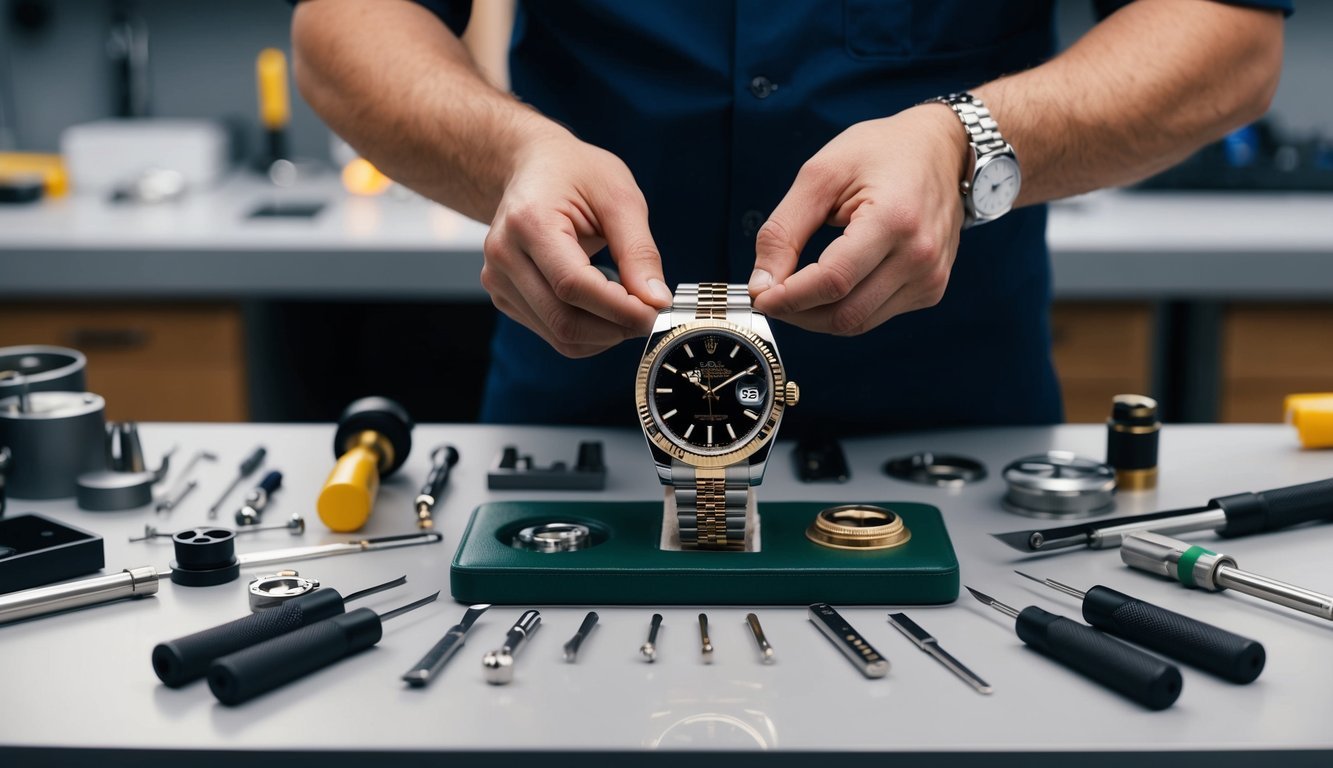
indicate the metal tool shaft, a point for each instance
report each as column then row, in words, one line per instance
column 131, row 582
column 765, row 650
column 576, row 642
column 705, row 642
column 649, row 648
column 848, row 641
column 429, row 666
column 295, row 554
column 926, row 642
column 248, row 466
column 1113, row 536
column 1274, row 591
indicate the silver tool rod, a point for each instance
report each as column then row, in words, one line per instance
column 1112, row 535
column 957, row 667
column 296, row 554
column 1274, row 591
column 765, row 650
column 926, row 642
column 131, row 582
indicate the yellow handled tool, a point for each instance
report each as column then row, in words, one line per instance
column 1312, row 416
column 373, row 439
column 275, row 101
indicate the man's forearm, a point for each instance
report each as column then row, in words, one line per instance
column 394, row 82
column 1139, row 92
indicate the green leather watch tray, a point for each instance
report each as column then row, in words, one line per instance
column 624, row 566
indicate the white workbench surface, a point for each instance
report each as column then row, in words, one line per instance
column 83, row 679
column 1106, row 245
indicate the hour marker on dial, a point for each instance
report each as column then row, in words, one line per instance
column 669, row 414
column 669, row 367
column 664, row 390
column 731, row 431
column 734, row 350
column 710, row 435
column 688, row 430
column 689, row 351
column 751, row 414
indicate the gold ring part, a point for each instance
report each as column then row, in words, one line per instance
column 858, row 526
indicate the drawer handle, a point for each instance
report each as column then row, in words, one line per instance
column 106, row 339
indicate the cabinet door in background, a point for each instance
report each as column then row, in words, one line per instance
column 152, row 362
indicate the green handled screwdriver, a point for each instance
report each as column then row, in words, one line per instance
column 1195, row 566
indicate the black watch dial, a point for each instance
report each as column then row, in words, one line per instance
column 711, row 391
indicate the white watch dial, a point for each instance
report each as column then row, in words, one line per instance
column 996, row 187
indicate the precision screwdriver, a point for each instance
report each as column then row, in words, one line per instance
column 420, row 675
column 1101, row 658
column 1195, row 566
column 1239, row 514
column 576, row 642
column 1213, row 649
column 241, row 676
column 258, row 498
column 247, row 468
column 184, row 659
column 442, row 461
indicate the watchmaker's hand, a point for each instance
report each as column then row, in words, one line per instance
column 713, row 390
column 901, row 215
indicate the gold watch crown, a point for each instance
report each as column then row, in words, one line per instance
column 792, row 394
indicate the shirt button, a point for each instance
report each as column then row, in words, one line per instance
column 762, row 87
column 751, row 221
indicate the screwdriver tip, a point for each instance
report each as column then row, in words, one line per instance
column 981, row 596
column 1019, row 540
column 1029, row 576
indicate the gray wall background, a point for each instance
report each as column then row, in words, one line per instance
column 203, row 55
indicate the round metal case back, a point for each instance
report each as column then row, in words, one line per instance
column 710, row 393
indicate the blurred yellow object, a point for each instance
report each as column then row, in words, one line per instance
column 1312, row 415
column 50, row 168
column 275, row 105
column 362, row 178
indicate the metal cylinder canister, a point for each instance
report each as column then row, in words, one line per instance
column 54, row 438
column 1132, row 435
column 41, row 368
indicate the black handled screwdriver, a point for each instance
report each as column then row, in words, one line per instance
column 184, row 659
column 1239, row 514
column 1212, row 649
column 241, row 676
column 256, row 501
column 442, row 461
column 1101, row 658
column 248, row 466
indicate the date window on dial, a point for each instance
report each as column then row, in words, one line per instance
column 750, row 391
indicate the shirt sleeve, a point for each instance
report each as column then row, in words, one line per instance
column 454, row 13
column 1105, row 8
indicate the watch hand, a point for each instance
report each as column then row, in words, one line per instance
column 745, row 372
column 694, row 377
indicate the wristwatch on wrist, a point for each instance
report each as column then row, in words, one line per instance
column 710, row 393
column 990, row 189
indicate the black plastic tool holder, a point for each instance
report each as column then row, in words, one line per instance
column 515, row 472
column 205, row 556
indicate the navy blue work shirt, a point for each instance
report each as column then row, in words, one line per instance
column 714, row 106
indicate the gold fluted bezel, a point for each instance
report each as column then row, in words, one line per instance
column 655, row 433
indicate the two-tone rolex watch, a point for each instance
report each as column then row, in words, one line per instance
column 710, row 393
column 991, row 187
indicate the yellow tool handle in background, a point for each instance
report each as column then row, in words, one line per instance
column 349, row 493
column 1312, row 415
column 275, row 104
